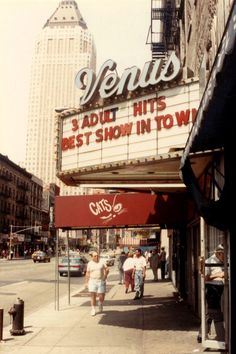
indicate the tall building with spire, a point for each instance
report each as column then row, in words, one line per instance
column 63, row 47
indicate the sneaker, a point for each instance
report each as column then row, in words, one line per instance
column 137, row 295
column 100, row 306
column 93, row 311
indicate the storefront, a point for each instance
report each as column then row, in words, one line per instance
column 213, row 189
column 133, row 143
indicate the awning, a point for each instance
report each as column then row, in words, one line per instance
column 215, row 213
column 213, row 116
column 120, row 210
column 158, row 173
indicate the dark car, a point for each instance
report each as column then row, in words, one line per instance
column 40, row 256
column 77, row 266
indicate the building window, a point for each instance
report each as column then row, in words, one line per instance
column 49, row 46
column 60, row 45
column 71, row 45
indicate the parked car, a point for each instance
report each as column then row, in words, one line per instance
column 110, row 261
column 40, row 256
column 77, row 266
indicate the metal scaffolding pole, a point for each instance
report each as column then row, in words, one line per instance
column 57, row 272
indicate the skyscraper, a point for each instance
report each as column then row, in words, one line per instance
column 63, row 47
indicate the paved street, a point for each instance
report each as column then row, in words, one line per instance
column 32, row 282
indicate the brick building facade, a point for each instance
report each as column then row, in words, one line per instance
column 20, row 207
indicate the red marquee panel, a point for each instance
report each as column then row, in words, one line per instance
column 119, row 210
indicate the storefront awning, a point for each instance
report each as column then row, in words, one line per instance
column 120, row 210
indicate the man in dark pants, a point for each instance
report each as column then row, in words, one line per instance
column 214, row 275
column 163, row 262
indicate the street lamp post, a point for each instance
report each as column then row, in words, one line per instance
column 10, row 242
column 25, row 228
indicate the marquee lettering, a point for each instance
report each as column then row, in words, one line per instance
column 102, row 126
column 108, row 84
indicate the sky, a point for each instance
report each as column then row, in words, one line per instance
column 120, row 30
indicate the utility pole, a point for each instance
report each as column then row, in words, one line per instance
column 10, row 243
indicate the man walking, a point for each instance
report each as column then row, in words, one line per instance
column 96, row 276
column 139, row 273
column 154, row 263
column 163, row 262
column 121, row 261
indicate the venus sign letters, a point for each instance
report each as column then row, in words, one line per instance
column 132, row 78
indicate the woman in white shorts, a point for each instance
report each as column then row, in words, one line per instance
column 96, row 276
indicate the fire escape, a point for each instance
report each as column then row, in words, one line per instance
column 163, row 30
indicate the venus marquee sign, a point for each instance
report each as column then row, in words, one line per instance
column 140, row 127
column 132, row 79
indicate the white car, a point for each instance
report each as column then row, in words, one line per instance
column 77, row 266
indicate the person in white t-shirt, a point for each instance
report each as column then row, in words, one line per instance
column 96, row 276
column 139, row 273
column 128, row 268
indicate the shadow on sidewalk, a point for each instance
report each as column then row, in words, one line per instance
column 164, row 316
column 153, row 313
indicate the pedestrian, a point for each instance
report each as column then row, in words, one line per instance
column 154, row 263
column 128, row 268
column 147, row 256
column 163, row 262
column 121, row 260
column 214, row 285
column 96, row 275
column 11, row 253
column 139, row 273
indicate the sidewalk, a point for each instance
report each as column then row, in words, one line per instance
column 156, row 324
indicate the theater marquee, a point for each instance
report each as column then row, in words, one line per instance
column 122, row 132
